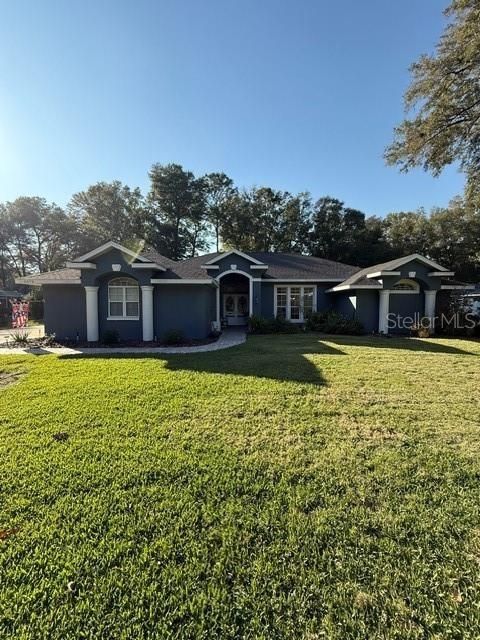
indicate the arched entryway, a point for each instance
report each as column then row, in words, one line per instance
column 405, row 304
column 234, row 299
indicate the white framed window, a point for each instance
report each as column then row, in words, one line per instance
column 295, row 303
column 123, row 299
column 406, row 286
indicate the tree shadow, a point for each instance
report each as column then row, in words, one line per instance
column 425, row 345
column 261, row 360
column 273, row 357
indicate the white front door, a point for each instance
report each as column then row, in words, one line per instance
column 235, row 308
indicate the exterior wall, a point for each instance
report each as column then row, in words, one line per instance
column 359, row 304
column 187, row 308
column 257, row 302
column 65, row 311
column 345, row 303
column 367, row 309
column 267, row 303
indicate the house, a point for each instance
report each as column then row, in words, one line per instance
column 144, row 295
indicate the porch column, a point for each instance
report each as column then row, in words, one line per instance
column 217, row 299
column 147, row 313
column 383, row 310
column 91, row 299
column 430, row 300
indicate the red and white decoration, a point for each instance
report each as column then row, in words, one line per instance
column 19, row 314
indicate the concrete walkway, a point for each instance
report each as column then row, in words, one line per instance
column 229, row 338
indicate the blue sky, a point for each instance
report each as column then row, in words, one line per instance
column 298, row 95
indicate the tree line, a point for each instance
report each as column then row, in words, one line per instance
column 183, row 215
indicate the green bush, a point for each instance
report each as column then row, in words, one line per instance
column 174, row 337
column 334, row 322
column 111, row 336
column 259, row 324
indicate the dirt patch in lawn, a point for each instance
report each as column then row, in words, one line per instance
column 9, row 377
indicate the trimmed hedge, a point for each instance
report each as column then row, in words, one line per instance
column 258, row 324
column 334, row 322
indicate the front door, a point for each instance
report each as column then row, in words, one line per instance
column 235, row 308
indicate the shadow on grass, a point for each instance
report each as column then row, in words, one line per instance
column 427, row 345
column 285, row 361
column 277, row 358
column 282, row 358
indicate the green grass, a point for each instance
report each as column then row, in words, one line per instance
column 294, row 487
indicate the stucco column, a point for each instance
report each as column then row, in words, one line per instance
column 91, row 299
column 147, row 313
column 430, row 300
column 383, row 310
column 217, row 304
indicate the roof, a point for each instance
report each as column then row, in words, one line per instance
column 281, row 266
column 153, row 256
column 59, row 276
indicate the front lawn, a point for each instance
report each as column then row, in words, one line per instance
column 293, row 487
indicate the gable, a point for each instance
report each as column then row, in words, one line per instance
column 234, row 253
column 108, row 246
column 115, row 254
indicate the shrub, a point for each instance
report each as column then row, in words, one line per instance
column 333, row 322
column 421, row 329
column 48, row 340
column 111, row 337
column 19, row 338
column 173, row 337
column 259, row 324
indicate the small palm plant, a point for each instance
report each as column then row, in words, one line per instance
column 19, row 338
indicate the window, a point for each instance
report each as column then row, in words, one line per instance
column 123, row 299
column 408, row 286
column 281, row 300
column 295, row 303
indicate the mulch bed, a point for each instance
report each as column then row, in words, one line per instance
column 41, row 343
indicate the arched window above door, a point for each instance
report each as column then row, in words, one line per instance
column 407, row 286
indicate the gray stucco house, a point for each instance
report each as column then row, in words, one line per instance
column 144, row 295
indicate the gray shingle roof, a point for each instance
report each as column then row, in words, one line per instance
column 51, row 277
column 280, row 266
column 287, row 266
column 154, row 256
